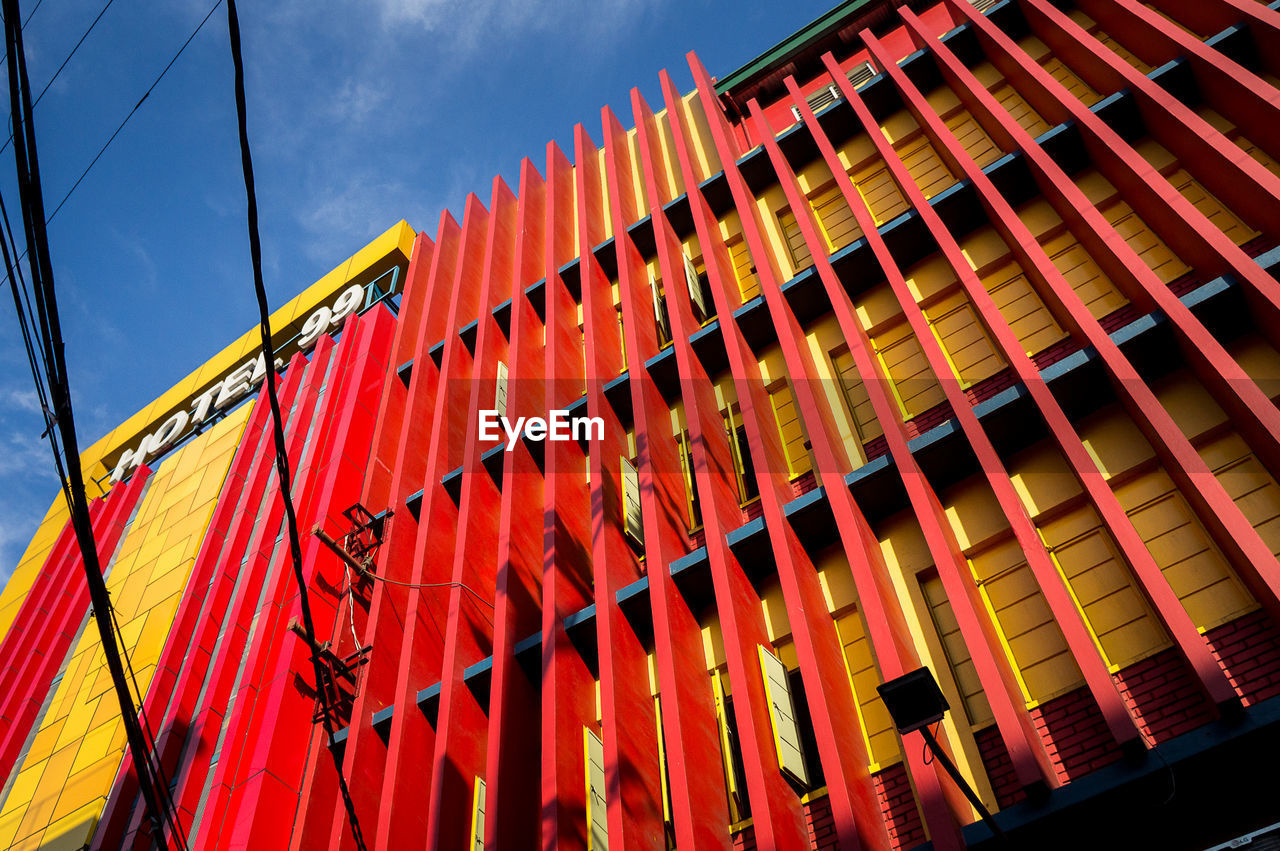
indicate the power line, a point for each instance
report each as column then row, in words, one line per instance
column 277, row 421
column 42, row 284
column 52, row 79
column 141, row 100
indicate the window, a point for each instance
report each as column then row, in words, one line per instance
column 730, row 752
column 879, row 734
column 797, row 250
column 1022, row 307
column 964, row 338
column 660, row 313
column 500, row 390
column 959, row 660
column 786, row 732
column 794, row 443
column 633, row 521
column 597, row 811
column 882, row 196
column 477, row 815
column 856, row 397
column 1074, row 263
column 743, row 466
column 861, row 74
column 818, row 101
column 744, row 269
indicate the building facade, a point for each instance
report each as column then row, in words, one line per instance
column 941, row 335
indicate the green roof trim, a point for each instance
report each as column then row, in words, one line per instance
column 794, row 43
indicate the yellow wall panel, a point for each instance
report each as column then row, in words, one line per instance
column 90, row 737
column 1022, row 307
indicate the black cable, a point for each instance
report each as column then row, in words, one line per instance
column 83, row 36
column 145, row 95
column 42, row 281
column 277, row 421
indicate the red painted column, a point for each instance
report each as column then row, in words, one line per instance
column 699, row 808
column 634, row 797
column 49, row 620
column 1162, row 597
column 514, row 754
column 1017, row 730
column 1221, row 516
column 568, row 686
column 402, row 818
column 460, row 745
column 172, row 693
column 775, row 807
column 429, row 281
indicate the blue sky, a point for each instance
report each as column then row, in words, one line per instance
column 360, row 114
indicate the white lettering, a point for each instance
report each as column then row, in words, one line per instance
column 129, row 459
column 200, row 406
column 235, row 385
column 558, row 426
column 584, row 426
column 168, row 432
column 489, row 426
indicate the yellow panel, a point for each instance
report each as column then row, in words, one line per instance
column 1071, row 81
column 1074, row 263
column 883, row 197
column 800, row 257
column 973, row 138
column 878, row 732
column 857, row 399
column 790, row 429
column 1020, row 111
column 1114, row 441
column 1117, row 613
column 1123, row 52
column 903, row 360
column 1222, row 218
column 1191, row 562
column 1249, row 483
column 965, row 340
column 925, row 166
column 744, row 269
column 1190, row 405
column 82, row 715
column 1143, row 240
column 976, row 706
column 1032, row 639
column 1022, row 307
column 1043, row 478
column 835, row 218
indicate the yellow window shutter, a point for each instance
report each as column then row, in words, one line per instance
column 1085, row 277
column 727, row 747
column 925, row 166
column 973, row 138
column 883, row 197
column 1250, row 485
column 744, row 269
column 857, row 399
column 910, row 376
column 1022, row 307
column 662, row 760
column 597, row 810
column 1115, row 610
column 786, row 733
column 964, row 339
column 789, row 428
column 695, row 287
column 836, row 218
column 660, row 313
column 1193, row 564
column 1031, row 637
column 500, row 390
column 1071, row 81
column 477, row 816
column 959, row 660
column 1019, row 110
column 1226, row 221
column 801, row 259
column 633, row 522
column 1142, row 239
column 879, row 734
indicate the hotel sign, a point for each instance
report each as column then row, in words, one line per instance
column 235, row 384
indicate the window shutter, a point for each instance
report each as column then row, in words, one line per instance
column 660, row 313
column 726, row 746
column 477, row 816
column 861, row 74
column 786, row 733
column 597, row 812
column 695, row 287
column 983, row 5
column 632, row 519
column 662, row 761
column 500, row 392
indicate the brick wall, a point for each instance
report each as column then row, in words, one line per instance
column 999, row 767
column 1248, row 649
column 1164, row 695
column 898, row 805
column 820, row 822
column 1075, row 734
